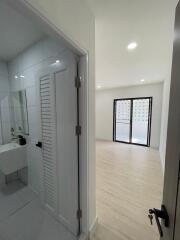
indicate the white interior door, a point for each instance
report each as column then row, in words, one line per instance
column 177, row 220
column 67, row 168
column 171, row 198
column 48, row 138
column 58, row 107
column 171, row 176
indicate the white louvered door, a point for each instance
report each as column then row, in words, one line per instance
column 48, row 131
column 58, row 110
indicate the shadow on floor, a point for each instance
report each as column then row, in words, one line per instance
column 12, row 187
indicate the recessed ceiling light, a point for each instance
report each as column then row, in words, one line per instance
column 15, row 76
column 142, row 80
column 57, row 61
column 132, row 46
column 22, row 76
column 99, row 86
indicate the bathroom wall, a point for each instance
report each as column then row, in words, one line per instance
column 4, row 85
column 4, row 106
column 22, row 75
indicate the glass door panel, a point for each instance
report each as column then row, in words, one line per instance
column 132, row 120
column 123, row 120
column 140, row 121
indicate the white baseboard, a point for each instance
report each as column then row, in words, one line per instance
column 91, row 233
column 92, row 229
column 83, row 237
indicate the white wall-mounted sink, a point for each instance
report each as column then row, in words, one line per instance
column 12, row 158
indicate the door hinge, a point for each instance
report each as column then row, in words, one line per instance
column 78, row 82
column 78, row 130
column 79, row 214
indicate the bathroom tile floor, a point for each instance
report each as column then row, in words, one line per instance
column 14, row 197
column 22, row 217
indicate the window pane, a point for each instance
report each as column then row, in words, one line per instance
column 140, row 121
column 123, row 120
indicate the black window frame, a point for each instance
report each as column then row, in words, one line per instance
column 131, row 118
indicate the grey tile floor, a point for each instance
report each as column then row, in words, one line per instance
column 22, row 217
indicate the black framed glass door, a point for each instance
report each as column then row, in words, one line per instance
column 132, row 120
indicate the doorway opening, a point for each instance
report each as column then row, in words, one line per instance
column 129, row 171
column 43, row 80
column 132, row 120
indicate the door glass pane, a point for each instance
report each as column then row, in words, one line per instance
column 140, row 121
column 123, row 120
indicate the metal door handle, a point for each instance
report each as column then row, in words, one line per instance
column 39, row 144
column 159, row 214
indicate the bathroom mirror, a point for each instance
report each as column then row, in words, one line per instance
column 19, row 113
column 13, row 116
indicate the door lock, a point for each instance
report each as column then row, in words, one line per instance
column 159, row 214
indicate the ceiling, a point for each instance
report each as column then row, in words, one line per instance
column 119, row 22
column 17, row 32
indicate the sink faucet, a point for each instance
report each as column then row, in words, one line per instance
column 15, row 138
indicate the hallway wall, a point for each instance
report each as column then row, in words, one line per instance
column 104, row 109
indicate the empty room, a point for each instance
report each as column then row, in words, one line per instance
column 129, row 168
column 133, row 65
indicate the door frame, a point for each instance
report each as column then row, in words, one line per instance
column 131, row 118
column 41, row 20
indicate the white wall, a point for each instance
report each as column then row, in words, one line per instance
column 27, row 64
column 4, row 107
column 166, row 94
column 4, row 85
column 104, row 109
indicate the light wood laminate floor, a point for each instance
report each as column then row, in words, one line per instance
column 129, row 182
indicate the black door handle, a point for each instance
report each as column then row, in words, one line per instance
column 159, row 214
column 39, row 144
